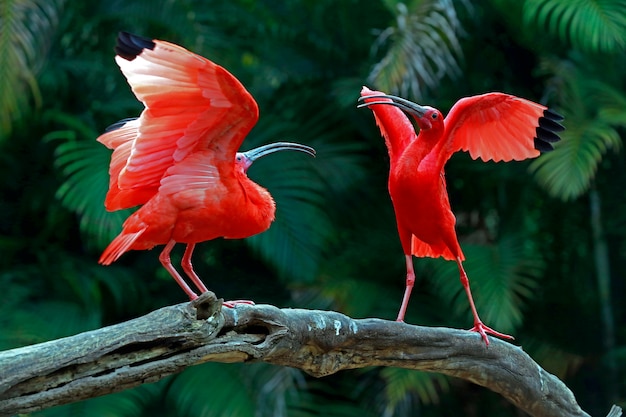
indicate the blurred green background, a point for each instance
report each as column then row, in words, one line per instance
column 544, row 239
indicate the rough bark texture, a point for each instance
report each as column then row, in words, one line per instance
column 170, row 339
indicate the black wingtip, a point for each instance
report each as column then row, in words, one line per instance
column 552, row 115
column 546, row 132
column 129, row 46
column 119, row 124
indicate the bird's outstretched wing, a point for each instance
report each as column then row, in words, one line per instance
column 501, row 127
column 394, row 124
column 191, row 104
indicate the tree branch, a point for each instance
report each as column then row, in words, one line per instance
column 170, row 339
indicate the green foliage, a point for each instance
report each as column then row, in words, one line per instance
column 556, row 360
column 420, row 49
column 195, row 393
column 503, row 278
column 84, row 165
column 590, row 25
column 25, row 27
column 334, row 244
column 400, row 383
column 295, row 242
column 596, row 110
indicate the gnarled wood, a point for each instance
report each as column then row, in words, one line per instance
column 167, row 340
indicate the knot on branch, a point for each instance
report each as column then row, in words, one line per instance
column 206, row 306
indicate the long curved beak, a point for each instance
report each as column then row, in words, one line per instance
column 403, row 104
column 256, row 153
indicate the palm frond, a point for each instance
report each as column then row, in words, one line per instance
column 422, row 47
column 589, row 25
column 25, row 27
column 295, row 242
column 130, row 403
column 594, row 110
column 213, row 389
column 502, row 277
column 84, row 164
column 402, row 383
column 555, row 360
column 337, row 396
column 567, row 172
column 275, row 388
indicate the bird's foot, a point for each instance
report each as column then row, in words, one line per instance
column 233, row 303
column 483, row 330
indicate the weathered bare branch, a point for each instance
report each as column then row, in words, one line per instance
column 167, row 340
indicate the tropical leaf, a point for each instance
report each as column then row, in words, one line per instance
column 210, row 390
column 45, row 320
column 590, row 25
column 567, row 172
column 131, row 403
column 422, row 47
column 25, row 28
column 403, row 383
column 295, row 242
column 594, row 110
column 502, row 276
column 352, row 296
column 553, row 359
column 275, row 388
column 341, row 395
column 217, row 389
column 84, row 165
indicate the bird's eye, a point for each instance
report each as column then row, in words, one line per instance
column 434, row 116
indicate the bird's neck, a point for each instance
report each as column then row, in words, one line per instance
column 260, row 206
column 427, row 149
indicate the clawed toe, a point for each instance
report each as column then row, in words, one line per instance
column 233, row 303
column 483, row 330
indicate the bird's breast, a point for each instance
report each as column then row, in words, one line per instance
column 235, row 212
column 419, row 198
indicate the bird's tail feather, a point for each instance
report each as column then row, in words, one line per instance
column 424, row 250
column 120, row 245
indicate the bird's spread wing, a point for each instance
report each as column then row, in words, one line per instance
column 191, row 104
column 193, row 177
column 394, row 125
column 120, row 137
column 501, row 127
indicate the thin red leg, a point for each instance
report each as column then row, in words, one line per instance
column 479, row 326
column 164, row 257
column 188, row 268
column 410, row 281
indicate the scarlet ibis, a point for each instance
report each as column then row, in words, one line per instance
column 179, row 159
column 493, row 126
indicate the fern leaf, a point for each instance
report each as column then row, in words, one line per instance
column 400, row 383
column 567, row 172
column 295, row 242
column 423, row 47
column 589, row 25
column 25, row 27
column 85, row 167
column 501, row 276
column 594, row 110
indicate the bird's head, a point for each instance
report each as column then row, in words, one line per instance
column 426, row 117
column 243, row 160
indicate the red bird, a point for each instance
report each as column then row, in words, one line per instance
column 179, row 159
column 490, row 126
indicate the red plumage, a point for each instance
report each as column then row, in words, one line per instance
column 493, row 126
column 179, row 159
